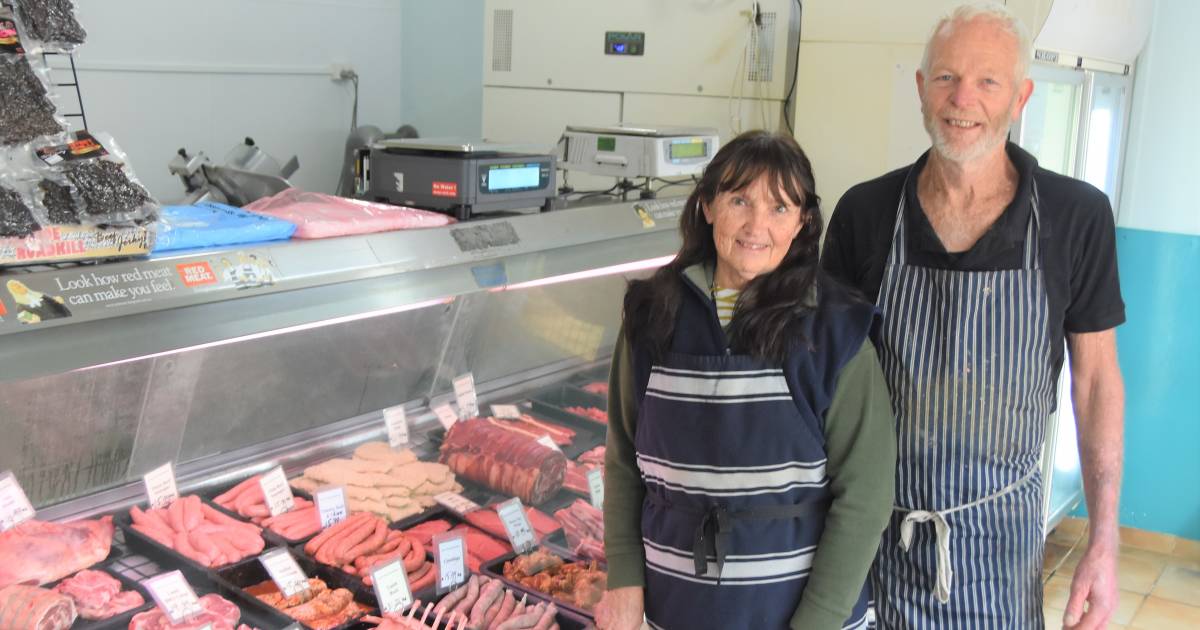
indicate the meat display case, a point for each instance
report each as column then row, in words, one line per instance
column 227, row 362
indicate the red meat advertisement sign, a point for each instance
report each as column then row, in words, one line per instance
column 196, row 274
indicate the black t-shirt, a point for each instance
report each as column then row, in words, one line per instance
column 1076, row 235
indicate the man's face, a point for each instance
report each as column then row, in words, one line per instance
column 972, row 95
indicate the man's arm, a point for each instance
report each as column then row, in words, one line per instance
column 1098, row 395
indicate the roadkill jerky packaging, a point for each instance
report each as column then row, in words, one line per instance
column 17, row 219
column 10, row 37
column 26, row 107
column 49, row 24
column 58, row 200
column 108, row 191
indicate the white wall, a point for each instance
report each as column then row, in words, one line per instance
column 442, row 75
column 165, row 74
column 1162, row 161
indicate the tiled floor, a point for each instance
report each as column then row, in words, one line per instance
column 1158, row 576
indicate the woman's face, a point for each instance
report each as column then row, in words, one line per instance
column 752, row 232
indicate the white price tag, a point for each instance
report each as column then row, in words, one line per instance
column 595, row 479
column 277, row 491
column 397, row 426
column 174, row 596
column 511, row 412
column 390, row 582
column 285, row 572
column 456, row 502
column 464, row 393
column 160, row 486
column 516, row 523
column 331, row 503
column 450, row 557
column 546, row 440
column 14, row 505
column 445, row 415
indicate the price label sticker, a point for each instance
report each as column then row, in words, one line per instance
column 456, row 502
column 331, row 504
column 548, row 441
column 390, row 582
column 397, row 426
column 516, row 523
column 14, row 505
column 160, row 486
column 445, row 415
column 174, row 596
column 595, row 478
column 450, row 558
column 511, row 412
column 464, row 393
column 277, row 491
column 284, row 571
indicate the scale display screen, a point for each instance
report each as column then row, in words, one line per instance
column 686, row 150
column 505, row 178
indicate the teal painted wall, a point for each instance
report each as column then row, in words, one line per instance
column 1160, row 358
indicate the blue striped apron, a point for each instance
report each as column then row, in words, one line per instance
column 736, row 494
column 966, row 355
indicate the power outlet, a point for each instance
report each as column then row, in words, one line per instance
column 341, row 72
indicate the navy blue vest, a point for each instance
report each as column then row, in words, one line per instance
column 731, row 451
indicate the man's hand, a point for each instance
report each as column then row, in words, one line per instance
column 621, row 609
column 1095, row 582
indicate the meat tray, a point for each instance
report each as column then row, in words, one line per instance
column 140, row 542
column 254, row 613
column 269, row 535
column 251, row 571
column 344, row 578
column 116, row 621
column 553, row 402
column 495, row 569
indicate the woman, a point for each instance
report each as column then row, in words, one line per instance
column 750, row 446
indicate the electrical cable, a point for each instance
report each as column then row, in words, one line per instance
column 667, row 183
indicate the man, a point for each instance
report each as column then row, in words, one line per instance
column 981, row 263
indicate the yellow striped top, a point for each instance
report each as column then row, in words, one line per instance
column 725, row 300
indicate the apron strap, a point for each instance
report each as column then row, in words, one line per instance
column 942, row 529
column 716, row 525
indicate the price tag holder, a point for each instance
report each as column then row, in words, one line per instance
column 516, row 523
column 174, row 596
column 511, row 412
column 449, row 556
column 456, row 503
column 446, row 415
column 160, row 486
column 397, row 426
column 287, row 575
column 595, row 479
column 390, row 582
column 331, row 504
column 464, row 393
column 277, row 491
column 14, row 505
column 548, row 441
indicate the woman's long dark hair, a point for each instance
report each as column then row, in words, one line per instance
column 767, row 315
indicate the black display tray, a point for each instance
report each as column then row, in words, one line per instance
column 553, row 402
column 495, row 569
column 254, row 613
column 347, row 578
column 140, row 542
column 116, row 621
column 250, row 572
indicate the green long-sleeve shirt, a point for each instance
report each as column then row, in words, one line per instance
column 860, row 444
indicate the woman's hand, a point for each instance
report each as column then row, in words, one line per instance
column 621, row 609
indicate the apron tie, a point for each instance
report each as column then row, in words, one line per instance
column 712, row 538
column 942, row 530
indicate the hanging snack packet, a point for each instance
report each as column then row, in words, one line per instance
column 108, row 191
column 26, row 110
column 10, row 37
column 16, row 215
column 52, row 23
